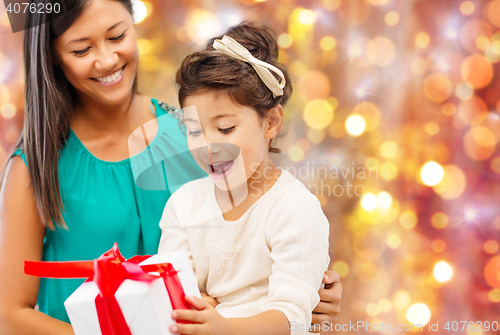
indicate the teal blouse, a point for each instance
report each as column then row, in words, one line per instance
column 107, row 202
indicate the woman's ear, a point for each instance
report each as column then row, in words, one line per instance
column 273, row 121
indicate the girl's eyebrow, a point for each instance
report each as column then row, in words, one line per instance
column 222, row 115
column 86, row 38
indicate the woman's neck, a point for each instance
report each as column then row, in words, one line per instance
column 97, row 117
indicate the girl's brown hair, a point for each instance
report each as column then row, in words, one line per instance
column 49, row 102
column 214, row 71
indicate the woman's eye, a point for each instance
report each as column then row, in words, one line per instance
column 81, row 52
column 227, row 130
column 194, row 133
column 117, row 38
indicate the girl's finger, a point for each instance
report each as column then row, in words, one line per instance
column 187, row 315
column 327, row 308
column 186, row 329
column 198, row 303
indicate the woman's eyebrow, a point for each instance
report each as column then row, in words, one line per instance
column 86, row 38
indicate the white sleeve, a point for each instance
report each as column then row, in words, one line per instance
column 297, row 234
column 173, row 231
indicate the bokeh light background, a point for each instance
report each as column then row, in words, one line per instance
column 407, row 89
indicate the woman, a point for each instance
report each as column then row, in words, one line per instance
column 81, row 107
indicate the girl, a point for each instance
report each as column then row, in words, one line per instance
column 257, row 238
column 69, row 192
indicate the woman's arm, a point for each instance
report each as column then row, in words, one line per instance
column 21, row 238
column 328, row 309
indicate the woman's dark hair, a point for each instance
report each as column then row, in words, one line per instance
column 210, row 70
column 49, row 102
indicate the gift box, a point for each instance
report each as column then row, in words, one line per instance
column 124, row 297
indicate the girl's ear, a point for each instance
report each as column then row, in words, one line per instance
column 273, row 121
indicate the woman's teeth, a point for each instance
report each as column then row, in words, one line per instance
column 112, row 77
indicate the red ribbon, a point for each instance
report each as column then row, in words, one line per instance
column 108, row 272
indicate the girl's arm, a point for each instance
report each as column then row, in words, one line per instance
column 21, row 238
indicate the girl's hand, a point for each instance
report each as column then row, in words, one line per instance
column 328, row 308
column 211, row 300
column 207, row 320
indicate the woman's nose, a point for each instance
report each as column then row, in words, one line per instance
column 106, row 60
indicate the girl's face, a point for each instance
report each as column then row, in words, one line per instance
column 228, row 141
column 98, row 54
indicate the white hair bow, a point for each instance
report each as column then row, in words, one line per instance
column 232, row 48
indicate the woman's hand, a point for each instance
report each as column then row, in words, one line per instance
column 207, row 320
column 328, row 309
column 211, row 300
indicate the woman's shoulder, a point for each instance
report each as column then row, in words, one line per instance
column 164, row 108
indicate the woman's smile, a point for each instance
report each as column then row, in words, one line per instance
column 112, row 79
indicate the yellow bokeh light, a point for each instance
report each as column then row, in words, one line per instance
column 140, row 11
column 490, row 246
column 285, row 41
column 391, row 18
column 437, row 87
column 393, row 241
column 303, row 144
column 378, row 2
column 202, row 25
column 449, row 109
column 384, row 200
column 372, row 162
column 431, row 173
column 369, row 202
column 464, row 91
column 342, row 268
column 439, row 220
column 355, row 125
column 422, row 40
column 432, row 128
column 8, row 110
column 381, row 51
column 316, row 135
column 372, row 309
column 389, row 171
column 477, row 71
column 438, row 245
column 314, row 85
column 492, row 10
column 307, row 17
column 389, row 149
column 145, row 46
column 418, row 66
column 318, row 114
column 467, row 7
column 482, row 43
column 418, row 314
column 328, row 43
column 453, row 183
column 370, row 113
column 408, row 220
column 401, row 299
column 479, row 143
column 494, row 295
column 331, row 4
column 385, row 305
column 442, row 271
column 296, row 154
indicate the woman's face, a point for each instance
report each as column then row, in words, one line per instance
column 98, row 54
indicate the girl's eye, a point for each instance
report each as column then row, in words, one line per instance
column 81, row 52
column 194, row 133
column 117, row 38
column 227, row 130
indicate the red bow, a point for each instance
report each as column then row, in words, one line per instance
column 108, row 272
